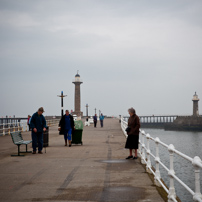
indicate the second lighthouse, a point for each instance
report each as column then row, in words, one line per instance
column 77, row 99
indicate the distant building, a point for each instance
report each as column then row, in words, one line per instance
column 190, row 123
column 77, row 98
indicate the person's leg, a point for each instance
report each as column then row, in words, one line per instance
column 65, row 137
column 34, row 141
column 135, row 157
column 70, row 137
column 40, row 142
column 135, row 152
column 130, row 150
column 136, row 146
column 130, row 154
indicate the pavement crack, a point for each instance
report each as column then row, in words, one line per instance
column 68, row 179
column 30, row 181
column 104, row 195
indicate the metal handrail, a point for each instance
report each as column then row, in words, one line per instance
column 7, row 128
column 145, row 155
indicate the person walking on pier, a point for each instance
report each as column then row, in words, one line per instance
column 38, row 126
column 95, row 120
column 66, row 127
column 28, row 122
column 133, row 133
column 101, row 120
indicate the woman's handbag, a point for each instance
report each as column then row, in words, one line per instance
column 128, row 129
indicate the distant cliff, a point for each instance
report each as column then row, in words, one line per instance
column 185, row 123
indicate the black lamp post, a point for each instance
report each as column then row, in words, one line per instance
column 87, row 112
column 95, row 110
column 62, row 102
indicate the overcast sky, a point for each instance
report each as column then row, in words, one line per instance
column 144, row 54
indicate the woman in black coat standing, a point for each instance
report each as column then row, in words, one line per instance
column 66, row 127
column 133, row 133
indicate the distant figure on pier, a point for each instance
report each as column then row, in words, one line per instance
column 28, row 122
column 95, row 120
column 66, row 127
column 133, row 133
column 101, row 120
column 38, row 126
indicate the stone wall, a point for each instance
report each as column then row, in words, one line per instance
column 188, row 123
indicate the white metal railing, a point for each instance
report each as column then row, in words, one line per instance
column 145, row 155
column 52, row 122
column 7, row 128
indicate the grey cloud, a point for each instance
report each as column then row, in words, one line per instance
column 141, row 53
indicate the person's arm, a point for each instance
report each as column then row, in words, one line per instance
column 30, row 120
column 44, row 124
column 61, row 124
column 137, row 123
column 32, row 123
column 72, row 122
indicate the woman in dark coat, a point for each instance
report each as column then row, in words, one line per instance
column 66, row 127
column 133, row 133
column 95, row 120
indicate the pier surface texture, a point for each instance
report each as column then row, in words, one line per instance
column 96, row 171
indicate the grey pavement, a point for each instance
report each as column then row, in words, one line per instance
column 96, row 171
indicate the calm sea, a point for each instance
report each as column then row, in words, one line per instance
column 189, row 143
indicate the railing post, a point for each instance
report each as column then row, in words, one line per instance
column 3, row 130
column 9, row 129
column 171, row 172
column 157, row 160
column 18, row 125
column 140, row 145
column 197, row 178
column 22, row 126
column 14, row 126
column 148, row 166
column 143, row 148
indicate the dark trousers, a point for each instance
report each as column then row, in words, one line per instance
column 101, row 123
column 95, row 123
column 37, row 139
column 29, row 127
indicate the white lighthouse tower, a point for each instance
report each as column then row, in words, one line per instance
column 195, row 105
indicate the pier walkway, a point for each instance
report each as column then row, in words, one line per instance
column 94, row 172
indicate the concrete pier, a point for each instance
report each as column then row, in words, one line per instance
column 95, row 172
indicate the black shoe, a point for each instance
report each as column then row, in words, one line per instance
column 129, row 157
column 70, row 145
column 135, row 157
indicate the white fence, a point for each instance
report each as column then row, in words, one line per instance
column 7, row 128
column 145, row 155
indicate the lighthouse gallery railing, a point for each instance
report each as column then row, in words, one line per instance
column 145, row 155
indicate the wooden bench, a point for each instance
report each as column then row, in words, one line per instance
column 18, row 140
